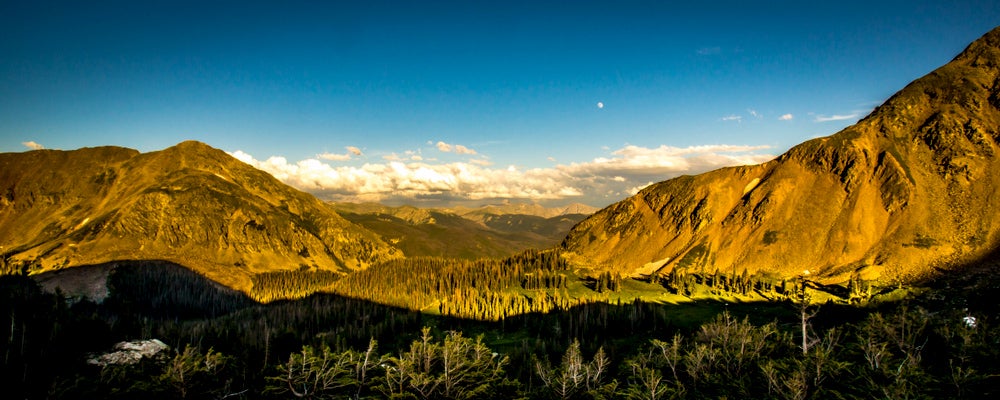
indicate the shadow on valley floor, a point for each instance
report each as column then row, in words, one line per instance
column 51, row 336
column 160, row 299
column 972, row 286
column 154, row 299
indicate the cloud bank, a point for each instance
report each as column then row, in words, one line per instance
column 414, row 180
column 31, row 144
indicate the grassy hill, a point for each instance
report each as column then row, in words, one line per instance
column 189, row 204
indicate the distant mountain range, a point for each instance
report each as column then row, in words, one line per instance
column 913, row 186
column 468, row 233
column 533, row 209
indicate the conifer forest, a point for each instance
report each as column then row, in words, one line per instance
column 498, row 329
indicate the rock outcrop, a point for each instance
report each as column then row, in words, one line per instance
column 130, row 353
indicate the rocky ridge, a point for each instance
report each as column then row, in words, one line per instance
column 911, row 187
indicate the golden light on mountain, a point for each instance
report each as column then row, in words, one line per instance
column 189, row 204
column 911, row 187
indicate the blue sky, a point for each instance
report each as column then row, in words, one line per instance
column 436, row 103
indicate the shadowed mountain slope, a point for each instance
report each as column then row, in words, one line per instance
column 189, row 204
column 912, row 186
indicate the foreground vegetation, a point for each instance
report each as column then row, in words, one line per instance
column 223, row 345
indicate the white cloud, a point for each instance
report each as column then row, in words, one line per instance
column 351, row 150
column 636, row 189
column 457, row 148
column 623, row 171
column 399, row 180
column 31, row 144
column 753, row 113
column 667, row 161
column 733, row 117
column 334, row 157
column 786, row 117
column 413, row 155
column 835, row 117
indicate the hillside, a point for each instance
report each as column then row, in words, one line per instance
column 189, row 204
column 531, row 209
column 912, row 186
column 467, row 233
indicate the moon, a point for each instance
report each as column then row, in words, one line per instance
column 600, row 104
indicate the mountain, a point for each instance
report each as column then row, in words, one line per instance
column 189, row 204
column 467, row 233
column 913, row 186
column 532, row 209
column 534, row 218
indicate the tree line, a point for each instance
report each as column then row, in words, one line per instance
column 290, row 285
column 485, row 289
column 326, row 346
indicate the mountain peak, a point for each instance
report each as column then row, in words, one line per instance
column 193, row 144
column 194, row 149
column 963, row 86
column 190, row 204
column 983, row 51
column 906, row 189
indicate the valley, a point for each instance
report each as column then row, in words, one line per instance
column 230, row 345
column 466, row 233
column 860, row 264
